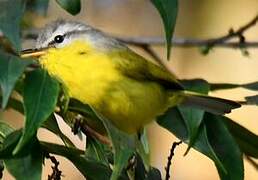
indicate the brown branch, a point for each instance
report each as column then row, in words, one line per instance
column 185, row 42
column 167, row 168
column 182, row 42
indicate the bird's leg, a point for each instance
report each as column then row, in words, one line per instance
column 132, row 162
column 77, row 124
column 81, row 125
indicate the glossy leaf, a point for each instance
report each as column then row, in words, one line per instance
column 247, row 141
column 15, row 105
column 96, row 151
column 252, row 100
column 9, row 144
column 28, row 167
column 71, row 6
column 168, row 10
column 173, row 121
column 40, row 97
column 123, row 144
column 219, row 86
column 193, row 117
column 142, row 147
column 11, row 12
column 214, row 140
column 5, row 130
column 11, row 68
column 91, row 169
column 225, row 147
column 11, row 141
column 153, row 174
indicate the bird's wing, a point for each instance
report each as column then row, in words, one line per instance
column 137, row 67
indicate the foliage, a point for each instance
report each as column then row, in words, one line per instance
column 217, row 137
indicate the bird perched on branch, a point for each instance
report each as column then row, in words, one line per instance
column 118, row 83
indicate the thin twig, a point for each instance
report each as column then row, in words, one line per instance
column 183, row 42
column 56, row 174
column 167, row 168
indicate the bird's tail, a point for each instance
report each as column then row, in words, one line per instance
column 210, row 104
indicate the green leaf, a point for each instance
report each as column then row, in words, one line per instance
column 91, row 169
column 11, row 141
column 141, row 173
column 247, row 141
column 153, row 174
column 168, row 10
column 11, row 68
column 173, row 121
column 9, row 144
column 214, row 140
column 40, row 97
column 142, row 147
column 38, row 6
column 11, row 12
column 225, row 147
column 123, row 144
column 15, row 105
column 5, row 130
column 193, row 117
column 251, row 86
column 51, row 125
column 96, row 151
column 219, row 86
column 28, row 167
column 252, row 100
column 71, row 6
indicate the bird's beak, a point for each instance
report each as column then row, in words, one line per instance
column 33, row 53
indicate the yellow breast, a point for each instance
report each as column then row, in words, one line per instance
column 92, row 78
column 85, row 73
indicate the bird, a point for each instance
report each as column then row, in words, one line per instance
column 98, row 70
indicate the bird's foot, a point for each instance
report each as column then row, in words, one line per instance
column 81, row 125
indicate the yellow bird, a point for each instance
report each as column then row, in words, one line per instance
column 118, row 83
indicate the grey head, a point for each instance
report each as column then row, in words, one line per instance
column 60, row 33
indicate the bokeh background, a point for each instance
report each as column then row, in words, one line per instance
column 197, row 19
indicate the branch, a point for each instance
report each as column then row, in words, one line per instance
column 222, row 41
column 167, row 168
column 183, row 42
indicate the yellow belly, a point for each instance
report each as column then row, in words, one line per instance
column 94, row 80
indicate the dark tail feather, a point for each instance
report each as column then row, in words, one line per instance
column 210, row 104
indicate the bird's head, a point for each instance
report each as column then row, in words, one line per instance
column 62, row 34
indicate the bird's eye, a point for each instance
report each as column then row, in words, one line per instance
column 59, row 39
